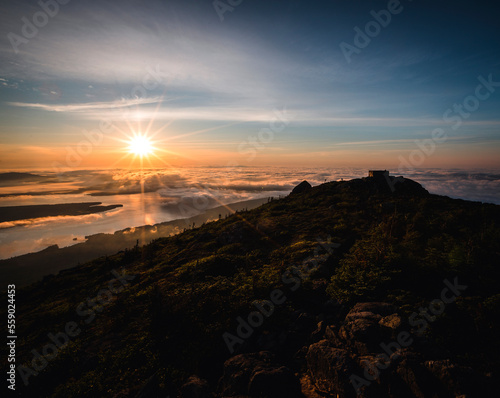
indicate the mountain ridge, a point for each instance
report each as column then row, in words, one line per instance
column 164, row 332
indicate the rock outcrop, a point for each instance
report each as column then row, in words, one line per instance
column 371, row 354
column 304, row 186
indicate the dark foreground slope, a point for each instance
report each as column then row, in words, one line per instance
column 344, row 285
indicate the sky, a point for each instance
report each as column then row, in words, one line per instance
column 376, row 84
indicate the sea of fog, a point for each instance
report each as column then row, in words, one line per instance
column 154, row 196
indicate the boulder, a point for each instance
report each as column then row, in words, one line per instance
column 391, row 326
column 332, row 336
column 382, row 309
column 330, row 369
column 408, row 376
column 362, row 333
column 370, row 380
column 367, row 325
column 195, row 388
column 391, row 321
column 258, row 375
column 365, row 315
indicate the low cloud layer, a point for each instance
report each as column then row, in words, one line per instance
column 238, row 183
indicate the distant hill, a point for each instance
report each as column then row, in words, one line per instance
column 369, row 284
column 13, row 176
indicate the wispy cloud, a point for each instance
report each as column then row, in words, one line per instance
column 412, row 140
column 89, row 106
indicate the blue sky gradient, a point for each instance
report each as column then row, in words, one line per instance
column 206, row 85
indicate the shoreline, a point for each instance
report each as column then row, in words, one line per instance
column 32, row 267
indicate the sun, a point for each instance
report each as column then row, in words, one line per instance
column 140, row 145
